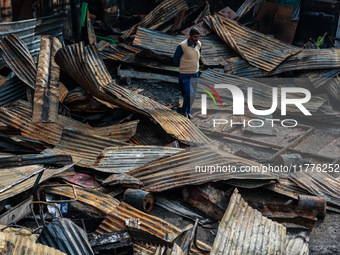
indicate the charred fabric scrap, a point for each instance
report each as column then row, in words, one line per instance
column 91, row 165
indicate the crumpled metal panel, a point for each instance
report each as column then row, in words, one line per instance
column 243, row 230
column 116, row 219
column 18, row 58
column 84, row 66
column 297, row 244
column 157, row 176
column 11, row 243
column 84, row 148
column 214, row 51
column 46, row 96
column 117, row 53
column 127, row 158
column 10, row 176
column 263, row 52
column 11, row 91
column 103, row 203
column 65, row 236
column 164, row 12
column 19, row 115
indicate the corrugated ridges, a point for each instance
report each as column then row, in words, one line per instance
column 17, row 244
column 297, row 244
column 116, row 53
column 126, row 158
column 11, row 91
column 65, row 236
column 82, row 146
column 263, row 52
column 46, row 96
column 243, row 230
column 18, row 58
column 180, row 169
column 115, row 221
column 84, row 65
column 214, row 52
column 8, row 176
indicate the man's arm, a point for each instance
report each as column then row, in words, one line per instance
column 178, row 54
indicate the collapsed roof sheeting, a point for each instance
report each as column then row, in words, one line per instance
column 85, row 66
column 164, row 12
column 243, row 230
column 46, row 96
column 214, row 52
column 127, row 158
column 11, row 91
column 18, row 58
column 259, row 50
column 191, row 168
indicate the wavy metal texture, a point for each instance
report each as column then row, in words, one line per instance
column 46, row 96
column 11, row 91
column 84, row 66
column 180, row 169
column 126, row 158
column 18, row 58
column 164, row 12
column 297, row 244
column 243, row 230
column 11, row 243
column 115, row 221
column 65, row 236
column 259, row 50
column 214, row 51
column 12, row 175
column 82, row 147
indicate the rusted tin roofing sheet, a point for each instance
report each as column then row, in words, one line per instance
column 103, row 203
column 307, row 59
column 31, row 30
column 164, row 12
column 191, row 168
column 11, row 243
column 82, row 147
column 116, row 219
column 18, row 58
column 117, row 53
column 84, row 65
column 243, row 230
column 64, row 235
column 10, row 176
column 258, row 49
column 11, row 91
column 297, row 244
column 46, row 96
column 262, row 93
column 246, row 7
column 214, row 51
column 126, row 158
column 19, row 115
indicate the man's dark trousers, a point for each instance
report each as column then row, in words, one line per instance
column 188, row 86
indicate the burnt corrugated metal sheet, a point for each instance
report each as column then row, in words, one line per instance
column 19, row 115
column 259, row 50
column 115, row 221
column 46, row 96
column 214, row 51
column 31, row 30
column 11, row 91
column 262, row 93
column 103, row 203
column 84, row 65
column 84, row 148
column 246, row 7
column 126, row 158
column 11, row 243
column 191, row 168
column 18, row 58
column 164, row 12
column 65, row 236
column 34, row 159
column 10, row 176
column 117, row 53
column 243, row 230
column 297, row 244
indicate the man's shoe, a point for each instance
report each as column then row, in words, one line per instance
column 190, row 116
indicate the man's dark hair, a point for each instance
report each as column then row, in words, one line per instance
column 194, row 31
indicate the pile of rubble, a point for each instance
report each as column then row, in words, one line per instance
column 91, row 165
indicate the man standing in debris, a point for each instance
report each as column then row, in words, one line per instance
column 187, row 57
